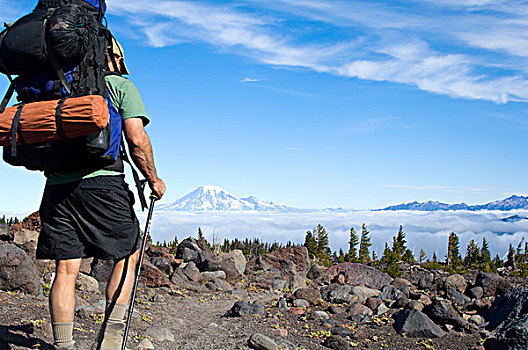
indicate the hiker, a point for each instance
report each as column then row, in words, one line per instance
column 90, row 213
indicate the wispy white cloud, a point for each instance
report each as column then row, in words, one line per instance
column 465, row 49
column 250, row 80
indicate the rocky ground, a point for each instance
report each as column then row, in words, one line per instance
column 200, row 300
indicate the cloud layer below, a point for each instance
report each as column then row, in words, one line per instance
column 464, row 49
column 424, row 230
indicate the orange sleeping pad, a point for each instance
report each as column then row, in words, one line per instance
column 79, row 116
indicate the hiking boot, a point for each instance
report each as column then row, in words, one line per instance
column 112, row 338
column 67, row 346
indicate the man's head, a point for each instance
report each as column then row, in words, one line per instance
column 116, row 58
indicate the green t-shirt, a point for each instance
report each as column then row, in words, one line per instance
column 126, row 99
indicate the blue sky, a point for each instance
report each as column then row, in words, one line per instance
column 315, row 104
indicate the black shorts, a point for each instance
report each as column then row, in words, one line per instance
column 89, row 218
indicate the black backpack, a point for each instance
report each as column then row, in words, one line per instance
column 59, row 51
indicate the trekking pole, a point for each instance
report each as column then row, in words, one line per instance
column 138, row 269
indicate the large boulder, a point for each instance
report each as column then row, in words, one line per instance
column 151, row 276
column 492, row 284
column 442, row 312
column 456, row 282
column 31, row 223
column 232, row 263
column 416, row 324
column 17, row 270
column 345, row 293
column 508, row 321
column 311, row 295
column 27, row 240
column 191, row 249
column 359, row 274
column 283, row 268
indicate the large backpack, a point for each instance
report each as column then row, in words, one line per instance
column 58, row 53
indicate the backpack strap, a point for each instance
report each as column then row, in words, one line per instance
column 15, row 129
column 58, row 119
column 140, row 184
column 7, row 97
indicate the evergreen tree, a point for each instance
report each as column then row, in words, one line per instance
column 473, row 255
column 341, row 257
column 510, row 260
column 408, row 256
column 323, row 250
column 389, row 260
column 423, row 256
column 310, row 243
column 453, row 251
column 352, row 244
column 496, row 263
column 364, row 245
column 485, row 256
column 3, row 220
column 398, row 244
column 435, row 259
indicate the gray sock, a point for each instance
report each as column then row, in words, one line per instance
column 62, row 332
column 117, row 312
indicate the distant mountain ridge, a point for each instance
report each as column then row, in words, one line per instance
column 215, row 198
column 510, row 203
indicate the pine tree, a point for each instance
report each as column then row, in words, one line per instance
column 389, row 260
column 435, row 259
column 510, row 260
column 398, row 244
column 453, row 251
column 408, row 256
column 341, row 257
column 473, row 255
column 310, row 243
column 3, row 220
column 485, row 256
column 323, row 250
column 364, row 245
column 423, row 256
column 352, row 244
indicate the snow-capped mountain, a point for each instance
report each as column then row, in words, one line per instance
column 215, row 198
column 510, row 203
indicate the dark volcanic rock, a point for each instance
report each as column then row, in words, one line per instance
column 283, row 268
column 508, row 319
column 314, row 273
column 311, row 295
column 492, row 284
column 456, row 282
column 336, row 342
column 17, row 270
column 241, row 308
column 475, row 292
column 442, row 312
column 31, row 223
column 163, row 264
column 191, row 249
column 5, row 235
column 359, row 274
column 508, row 307
column 416, row 324
column 457, row 297
column 338, row 293
column 390, row 293
column 152, row 276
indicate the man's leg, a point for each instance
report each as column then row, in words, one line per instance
column 62, row 302
column 118, row 293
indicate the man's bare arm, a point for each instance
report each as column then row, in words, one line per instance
column 141, row 153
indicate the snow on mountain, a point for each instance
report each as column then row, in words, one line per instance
column 510, row 203
column 215, row 198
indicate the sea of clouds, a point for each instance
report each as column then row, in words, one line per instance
column 426, row 230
